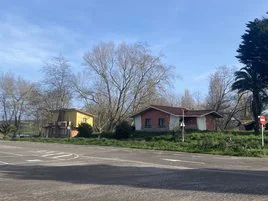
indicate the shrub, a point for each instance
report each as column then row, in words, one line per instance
column 6, row 128
column 206, row 143
column 84, row 130
column 123, row 130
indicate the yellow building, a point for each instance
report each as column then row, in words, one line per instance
column 65, row 122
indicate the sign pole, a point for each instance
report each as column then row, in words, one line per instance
column 182, row 125
column 262, row 122
column 262, row 137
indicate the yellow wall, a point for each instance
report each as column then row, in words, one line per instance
column 74, row 116
column 80, row 117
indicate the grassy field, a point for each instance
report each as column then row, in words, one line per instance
column 223, row 143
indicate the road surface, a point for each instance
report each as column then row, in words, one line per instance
column 37, row 171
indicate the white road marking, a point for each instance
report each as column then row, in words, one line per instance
column 4, row 162
column 53, row 160
column 41, row 151
column 138, row 162
column 193, row 156
column 177, row 160
column 49, row 152
column 225, row 158
column 34, row 160
column 197, row 156
column 180, row 154
column 10, row 147
column 172, row 160
column 3, row 152
column 46, row 155
column 61, row 156
column 8, row 156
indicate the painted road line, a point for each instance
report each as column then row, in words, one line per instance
column 55, row 153
column 8, row 156
column 197, row 156
column 177, row 160
column 225, row 158
column 5, row 163
column 34, row 160
column 50, row 160
column 181, row 154
column 48, row 152
column 172, row 160
column 139, row 162
column 10, row 153
column 61, row 156
column 45, row 151
column 41, row 151
column 10, row 147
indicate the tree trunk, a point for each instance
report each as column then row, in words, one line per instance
column 257, row 109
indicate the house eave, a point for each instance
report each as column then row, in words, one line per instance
column 212, row 112
column 216, row 114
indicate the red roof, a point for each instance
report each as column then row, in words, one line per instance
column 178, row 111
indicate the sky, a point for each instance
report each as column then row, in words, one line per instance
column 196, row 36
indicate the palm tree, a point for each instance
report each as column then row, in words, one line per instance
column 248, row 79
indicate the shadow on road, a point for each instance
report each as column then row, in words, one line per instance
column 208, row 180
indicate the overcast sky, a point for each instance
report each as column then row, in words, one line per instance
column 196, row 36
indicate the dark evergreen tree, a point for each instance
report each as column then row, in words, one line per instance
column 253, row 53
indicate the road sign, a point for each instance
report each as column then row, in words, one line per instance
column 182, row 124
column 262, row 120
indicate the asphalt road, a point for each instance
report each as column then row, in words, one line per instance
column 36, row 171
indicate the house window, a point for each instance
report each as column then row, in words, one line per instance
column 148, row 123
column 84, row 120
column 161, row 122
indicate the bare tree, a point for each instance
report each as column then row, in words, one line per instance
column 199, row 100
column 222, row 99
column 187, row 100
column 57, row 82
column 40, row 104
column 21, row 98
column 220, row 88
column 125, row 78
column 14, row 96
column 7, row 85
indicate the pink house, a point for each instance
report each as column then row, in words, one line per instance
column 165, row 118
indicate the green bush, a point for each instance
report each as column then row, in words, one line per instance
column 84, row 130
column 6, row 128
column 123, row 130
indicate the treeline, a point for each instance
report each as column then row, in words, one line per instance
column 119, row 80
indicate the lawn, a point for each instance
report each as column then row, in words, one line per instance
column 223, row 143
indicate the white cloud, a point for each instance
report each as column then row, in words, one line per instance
column 203, row 76
column 29, row 44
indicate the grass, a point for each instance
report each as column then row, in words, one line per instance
column 222, row 143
